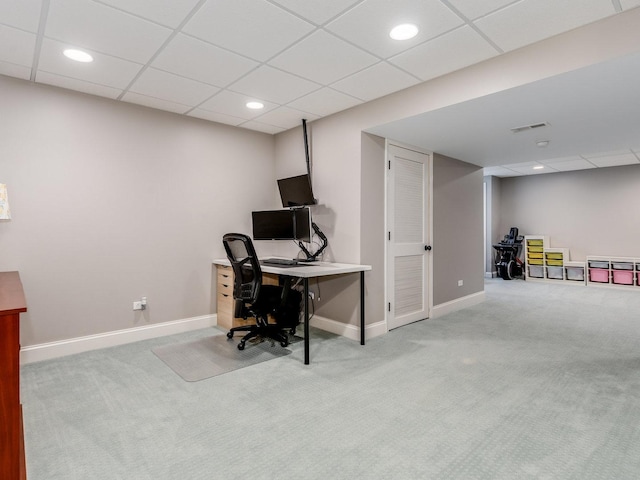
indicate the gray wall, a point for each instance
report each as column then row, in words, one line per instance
column 591, row 212
column 112, row 202
column 457, row 229
column 492, row 218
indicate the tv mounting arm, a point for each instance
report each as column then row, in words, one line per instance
column 313, row 257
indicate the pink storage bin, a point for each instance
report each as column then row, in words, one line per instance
column 624, row 277
column 599, row 275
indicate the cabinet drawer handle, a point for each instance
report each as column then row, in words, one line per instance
column 225, row 295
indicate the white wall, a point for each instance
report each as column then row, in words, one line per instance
column 112, row 202
column 591, row 212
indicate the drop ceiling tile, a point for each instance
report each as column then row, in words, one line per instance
column 170, row 13
column 24, row 14
column 286, row 117
column 627, row 4
column 473, row 9
column 254, row 28
column 317, row 12
column 552, row 161
column 611, row 153
column 172, row 88
column 450, row 52
column 528, row 168
column 234, row 104
column 202, row 61
column 17, row 46
column 216, row 117
column 499, row 172
column 13, row 70
column 529, row 21
column 77, row 85
column 273, row 85
column 104, row 70
column 157, row 103
column 323, row 58
column 368, row 25
column 104, row 29
column 262, row 127
column 376, row 81
column 568, row 164
column 324, row 102
column 613, row 160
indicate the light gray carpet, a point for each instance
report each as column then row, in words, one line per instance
column 207, row 357
column 541, row 381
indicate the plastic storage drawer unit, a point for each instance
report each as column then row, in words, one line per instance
column 554, row 272
column 598, row 275
column 575, row 273
column 623, row 277
column 622, row 265
column 536, row 271
column 598, row 264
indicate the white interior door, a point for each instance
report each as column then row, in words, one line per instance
column 408, row 236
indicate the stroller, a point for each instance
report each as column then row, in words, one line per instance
column 508, row 264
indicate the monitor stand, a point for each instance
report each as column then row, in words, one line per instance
column 312, row 257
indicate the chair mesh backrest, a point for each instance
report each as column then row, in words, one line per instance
column 245, row 264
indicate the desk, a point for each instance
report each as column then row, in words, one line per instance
column 314, row 270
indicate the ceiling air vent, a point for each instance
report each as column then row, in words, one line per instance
column 529, row 127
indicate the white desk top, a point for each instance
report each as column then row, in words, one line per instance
column 309, row 270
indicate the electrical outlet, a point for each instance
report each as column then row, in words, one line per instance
column 460, row 283
column 137, row 306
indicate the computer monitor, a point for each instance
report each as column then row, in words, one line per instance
column 294, row 224
column 296, row 191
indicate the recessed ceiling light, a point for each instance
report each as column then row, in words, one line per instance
column 404, row 31
column 78, row 55
column 542, row 143
column 538, row 167
column 255, row 105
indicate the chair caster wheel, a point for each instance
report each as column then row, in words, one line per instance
column 241, row 346
column 229, row 335
column 284, row 344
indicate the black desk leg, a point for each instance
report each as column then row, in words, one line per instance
column 361, row 308
column 306, row 321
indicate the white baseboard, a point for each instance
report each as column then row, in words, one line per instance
column 490, row 274
column 47, row 351
column 347, row 330
column 457, row 304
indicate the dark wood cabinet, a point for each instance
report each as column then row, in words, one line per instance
column 12, row 304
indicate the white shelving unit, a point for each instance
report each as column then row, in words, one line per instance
column 554, row 259
column 618, row 272
column 547, row 264
column 534, row 246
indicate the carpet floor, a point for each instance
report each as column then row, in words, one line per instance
column 540, row 381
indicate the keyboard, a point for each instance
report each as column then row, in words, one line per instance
column 279, row 262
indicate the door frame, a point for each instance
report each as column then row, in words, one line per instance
column 387, row 280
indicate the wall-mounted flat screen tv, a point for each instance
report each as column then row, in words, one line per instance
column 296, row 191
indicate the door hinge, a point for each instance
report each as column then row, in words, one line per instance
column 389, row 235
column 389, row 165
column 389, row 306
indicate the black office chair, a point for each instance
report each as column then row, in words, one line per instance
column 252, row 298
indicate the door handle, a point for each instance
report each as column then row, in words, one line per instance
column 427, row 247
